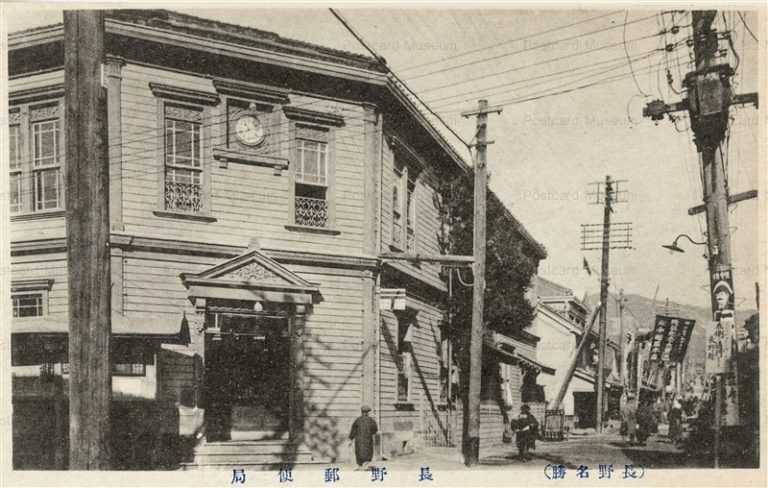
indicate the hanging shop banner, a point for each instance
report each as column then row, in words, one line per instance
column 679, row 336
column 659, row 338
column 671, row 336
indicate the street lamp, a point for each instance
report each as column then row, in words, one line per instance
column 675, row 248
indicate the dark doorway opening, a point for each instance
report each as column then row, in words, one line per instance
column 247, row 377
column 584, row 405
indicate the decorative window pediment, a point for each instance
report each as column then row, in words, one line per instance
column 180, row 94
column 250, row 276
column 313, row 116
column 252, row 91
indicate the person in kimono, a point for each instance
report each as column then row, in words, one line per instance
column 363, row 430
column 630, row 418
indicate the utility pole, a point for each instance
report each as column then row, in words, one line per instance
column 604, row 237
column 709, row 96
column 622, row 340
column 472, row 435
column 600, row 386
column 88, row 253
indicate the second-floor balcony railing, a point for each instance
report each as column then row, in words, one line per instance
column 312, row 212
column 184, row 197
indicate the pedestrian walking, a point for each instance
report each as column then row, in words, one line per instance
column 675, row 422
column 362, row 432
column 526, row 429
column 646, row 422
column 630, row 418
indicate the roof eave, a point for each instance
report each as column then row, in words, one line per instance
column 412, row 110
column 50, row 34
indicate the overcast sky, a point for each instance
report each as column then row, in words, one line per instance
column 548, row 150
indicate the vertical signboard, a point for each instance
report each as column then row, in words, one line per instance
column 721, row 344
column 669, row 343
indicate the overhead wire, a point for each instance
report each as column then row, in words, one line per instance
column 137, row 174
column 276, row 147
column 729, row 37
column 741, row 16
column 376, row 56
column 528, row 49
column 626, row 51
column 463, row 81
column 616, row 63
column 508, row 41
column 547, row 93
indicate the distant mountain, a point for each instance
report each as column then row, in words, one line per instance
column 639, row 313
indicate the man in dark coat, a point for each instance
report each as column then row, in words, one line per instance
column 363, row 430
column 646, row 421
column 526, row 429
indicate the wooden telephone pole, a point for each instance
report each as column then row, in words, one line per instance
column 622, row 340
column 708, row 100
column 604, row 237
column 88, row 254
column 472, row 435
column 604, row 273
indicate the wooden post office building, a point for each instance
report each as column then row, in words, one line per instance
column 254, row 182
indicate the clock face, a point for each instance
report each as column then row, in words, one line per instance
column 249, row 130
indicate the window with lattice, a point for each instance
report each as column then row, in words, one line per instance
column 311, row 202
column 183, row 159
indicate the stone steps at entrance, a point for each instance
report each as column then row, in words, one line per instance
column 255, row 454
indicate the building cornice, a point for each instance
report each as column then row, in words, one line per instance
column 128, row 242
column 39, row 246
column 46, row 92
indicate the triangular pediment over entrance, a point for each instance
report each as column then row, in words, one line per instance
column 250, row 276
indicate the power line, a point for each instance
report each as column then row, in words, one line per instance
column 730, row 43
column 569, row 70
column 510, row 41
column 394, row 75
column 614, row 66
column 540, row 46
column 747, row 27
column 546, row 94
column 531, row 65
column 135, row 156
column 626, row 51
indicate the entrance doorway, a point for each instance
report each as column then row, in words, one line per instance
column 584, row 404
column 247, row 377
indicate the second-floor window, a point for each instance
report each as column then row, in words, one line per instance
column 15, row 167
column 404, row 209
column 183, row 159
column 36, row 158
column 46, row 164
column 404, row 358
column 311, row 192
column 397, row 210
column 410, row 215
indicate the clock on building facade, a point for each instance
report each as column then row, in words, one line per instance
column 250, row 130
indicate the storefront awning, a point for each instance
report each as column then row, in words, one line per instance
column 508, row 354
column 167, row 328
